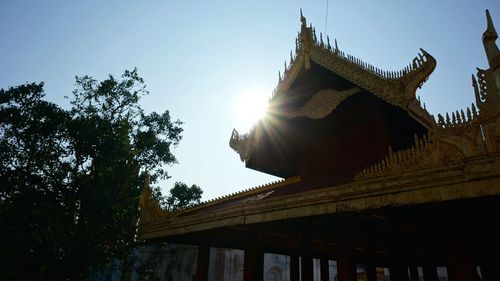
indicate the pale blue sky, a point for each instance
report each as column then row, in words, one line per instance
column 198, row 56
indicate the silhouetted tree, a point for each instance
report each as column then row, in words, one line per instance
column 182, row 196
column 70, row 179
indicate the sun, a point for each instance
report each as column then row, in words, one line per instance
column 250, row 106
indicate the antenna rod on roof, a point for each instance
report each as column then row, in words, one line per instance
column 326, row 18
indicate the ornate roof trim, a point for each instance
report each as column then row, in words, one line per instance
column 242, row 194
column 470, row 178
column 465, row 134
column 151, row 210
column 395, row 87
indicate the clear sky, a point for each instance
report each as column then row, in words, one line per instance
column 201, row 58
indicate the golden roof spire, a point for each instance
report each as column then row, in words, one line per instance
column 303, row 21
column 490, row 47
column 490, row 28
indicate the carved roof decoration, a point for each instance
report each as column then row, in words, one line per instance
column 490, row 32
column 151, row 210
column 150, row 207
column 322, row 103
column 462, row 134
column 489, row 37
column 458, row 158
column 395, row 87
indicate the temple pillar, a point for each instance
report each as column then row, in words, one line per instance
column 346, row 263
column 371, row 267
column 253, row 265
column 306, row 264
column 371, row 272
column 294, row 268
column 414, row 273
column 325, row 270
column 306, row 268
column 490, row 271
column 490, row 251
column 202, row 262
column 460, row 264
column 430, row 273
column 398, row 272
column 460, row 267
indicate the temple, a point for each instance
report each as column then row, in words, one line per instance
column 373, row 184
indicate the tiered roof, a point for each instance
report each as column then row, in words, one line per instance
column 394, row 87
column 458, row 158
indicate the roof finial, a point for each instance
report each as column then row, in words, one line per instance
column 476, row 90
column 302, row 18
column 490, row 28
column 490, row 47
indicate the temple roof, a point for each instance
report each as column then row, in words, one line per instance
column 397, row 88
column 458, row 158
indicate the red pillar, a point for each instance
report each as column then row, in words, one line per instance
column 325, row 269
column 202, row 262
column 306, row 262
column 346, row 261
column 490, row 271
column 460, row 267
column 430, row 273
column 306, row 267
column 371, row 272
column 398, row 272
column 253, row 265
column 414, row 273
column 371, row 267
column 294, row 268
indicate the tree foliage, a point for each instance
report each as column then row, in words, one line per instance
column 70, row 179
column 182, row 196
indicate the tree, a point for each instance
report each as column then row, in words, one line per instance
column 182, row 196
column 70, row 179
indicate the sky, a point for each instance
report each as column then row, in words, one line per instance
column 206, row 61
